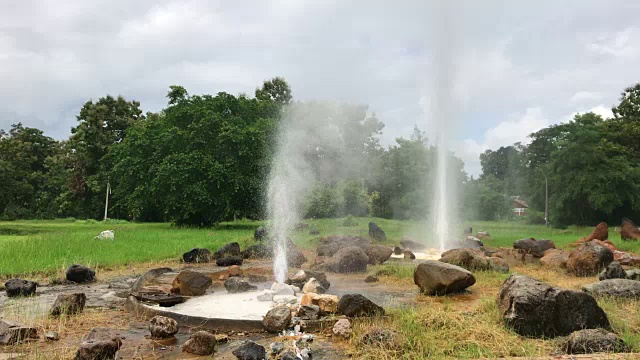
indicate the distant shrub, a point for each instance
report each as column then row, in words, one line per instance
column 349, row 221
column 535, row 217
column 114, row 221
column 87, row 222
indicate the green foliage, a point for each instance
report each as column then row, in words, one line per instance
column 323, row 202
column 534, row 217
column 485, row 199
column 349, row 221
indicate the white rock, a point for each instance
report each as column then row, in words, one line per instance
column 342, row 328
column 267, row 295
column 282, row 289
column 313, row 286
column 285, row 299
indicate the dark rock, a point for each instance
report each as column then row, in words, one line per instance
column 191, row 283
column 148, row 277
column 104, row 349
column 618, row 288
column 533, row 246
column 378, row 254
column 309, row 312
column 397, row 250
column 236, row 285
column 555, row 259
column 629, row 230
column 591, row 341
column 162, row 327
column 258, row 251
column 295, row 258
column 589, row 259
column 376, row 233
column 68, row 304
column 197, row 255
column 289, row 355
column 371, row 279
column 471, row 242
column 19, row 287
column 277, row 319
column 438, row 278
column 412, row 245
column 230, row 249
column 229, row 261
column 249, row 350
column 533, row 308
column 356, row 305
column 200, row 343
column 328, row 246
column 300, row 278
column 408, row 255
column 261, row 233
column 162, row 299
column 613, row 271
column 349, row 260
column 468, row 231
column 80, row 274
column 12, row 333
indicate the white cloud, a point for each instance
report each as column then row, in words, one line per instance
column 586, row 97
column 618, row 44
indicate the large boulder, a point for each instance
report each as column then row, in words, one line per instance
column 613, row 271
column 378, row 254
column 99, row 349
column 229, row 260
column 349, row 260
column 629, row 230
column 328, row 246
column 249, row 350
column 277, row 319
column 533, row 246
column 601, row 232
column 148, row 278
column 191, row 283
column 162, row 327
column 328, row 304
column 533, row 308
column 197, row 255
column 230, row 249
column 589, row 259
column 376, row 233
column 258, row 251
column 80, row 274
column 313, row 286
column 237, row 285
column 19, row 287
column 295, row 257
column 589, row 341
column 300, row 278
column 68, row 304
column 407, row 243
column 309, row 312
column 439, row 278
column 555, row 259
column 618, row 288
column 470, row 259
column 499, row 264
column 12, row 333
column 356, row 305
column 261, row 233
column 200, row 343
column 471, row 242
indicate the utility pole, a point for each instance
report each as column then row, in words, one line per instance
column 546, row 201
column 106, row 202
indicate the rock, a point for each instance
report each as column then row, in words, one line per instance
column 313, row 286
column 356, row 305
column 222, row 338
column 376, row 233
column 533, row 246
column 589, row 259
column 235, row 270
column 191, row 283
column 236, row 285
column 633, row 274
column 629, row 230
column 162, row 299
column 626, row 259
column 249, row 350
column 258, row 251
column 276, row 347
column 103, row 349
column 300, row 278
column 282, row 289
column 342, row 328
column 483, row 235
column 261, row 233
column 289, row 355
column 148, row 277
column 68, row 304
column 267, row 295
column 533, row 308
column 472, row 242
column 408, row 255
column 230, row 249
column 512, row 256
column 80, row 274
column 613, row 271
column 305, row 354
column 438, row 278
column 382, row 338
column 591, row 341
column 608, row 244
column 229, row 261
column 295, row 258
column 19, row 287
column 555, row 259
column 397, row 250
column 618, row 288
column 378, row 254
column 328, row 246
column 470, row 259
column 277, row 319
column 407, row 243
column 499, row 264
column 52, row 336
column 328, row 304
column 371, row 279
column 601, row 232
column 468, row 230
column 162, row 327
column 285, row 299
column 197, row 255
column 200, row 343
column 349, row 260
column 309, row 312
column 12, row 333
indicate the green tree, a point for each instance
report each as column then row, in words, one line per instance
column 276, row 89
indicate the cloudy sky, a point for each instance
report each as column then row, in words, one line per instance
column 513, row 66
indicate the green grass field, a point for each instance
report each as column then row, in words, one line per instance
column 46, row 247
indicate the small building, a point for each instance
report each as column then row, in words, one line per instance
column 519, row 206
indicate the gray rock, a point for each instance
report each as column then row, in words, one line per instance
column 633, row 274
column 249, row 350
column 438, row 278
column 12, row 333
column 200, row 343
column 139, row 286
column 68, row 304
column 19, row 287
column 276, row 347
column 613, row 271
column 378, row 254
column 376, row 233
column 591, row 341
column 313, row 286
column 236, row 285
column 349, row 260
column 300, row 278
column 191, row 283
column 162, row 327
column 289, row 355
column 80, row 274
column 277, row 319
column 309, row 312
column 533, row 246
column 197, row 255
column 103, row 349
column 356, row 305
column 472, row 242
column 328, row 246
column 295, row 258
column 470, row 259
column 261, row 233
column 619, row 288
column 533, row 308
column 230, row 249
column 342, row 328
column 258, row 251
